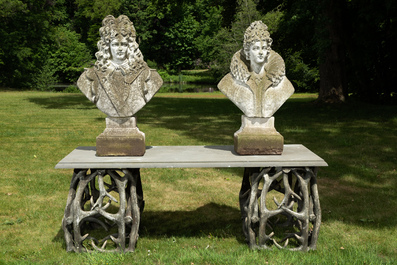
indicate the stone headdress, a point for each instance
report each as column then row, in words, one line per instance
column 257, row 31
column 239, row 66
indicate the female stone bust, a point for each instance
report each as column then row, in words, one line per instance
column 257, row 83
column 120, row 83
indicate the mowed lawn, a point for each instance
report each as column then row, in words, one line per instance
column 192, row 216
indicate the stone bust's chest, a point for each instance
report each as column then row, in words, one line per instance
column 258, row 83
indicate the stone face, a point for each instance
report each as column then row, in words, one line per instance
column 121, row 138
column 258, row 86
column 257, row 136
column 258, row 96
column 120, row 84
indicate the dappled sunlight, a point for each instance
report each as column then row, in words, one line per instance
column 356, row 181
column 331, row 130
column 357, row 189
column 200, row 123
column 351, row 199
column 389, row 149
column 295, row 130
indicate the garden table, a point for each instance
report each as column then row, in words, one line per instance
column 91, row 201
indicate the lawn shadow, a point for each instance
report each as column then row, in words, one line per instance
column 209, row 120
column 359, row 143
column 357, row 140
column 63, row 101
column 210, row 220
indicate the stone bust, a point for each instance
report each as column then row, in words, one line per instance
column 121, row 82
column 257, row 83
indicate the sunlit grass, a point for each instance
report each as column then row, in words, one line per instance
column 192, row 215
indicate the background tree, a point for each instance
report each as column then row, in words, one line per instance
column 339, row 48
column 230, row 39
column 175, row 34
column 332, row 54
column 371, row 53
column 24, row 36
column 87, row 18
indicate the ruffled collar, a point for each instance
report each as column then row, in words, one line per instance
column 124, row 68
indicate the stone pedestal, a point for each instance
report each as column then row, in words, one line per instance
column 257, row 136
column 121, row 138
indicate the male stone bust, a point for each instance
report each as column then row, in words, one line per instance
column 258, row 86
column 120, row 84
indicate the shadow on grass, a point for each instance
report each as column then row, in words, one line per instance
column 210, row 220
column 357, row 140
column 209, row 120
column 63, row 101
column 212, row 121
column 359, row 143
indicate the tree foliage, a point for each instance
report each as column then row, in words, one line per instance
column 24, row 36
column 68, row 55
column 372, row 55
column 337, row 47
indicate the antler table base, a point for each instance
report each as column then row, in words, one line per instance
column 279, row 200
column 110, row 199
column 293, row 219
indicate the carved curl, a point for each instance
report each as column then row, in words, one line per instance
column 275, row 68
column 239, row 68
column 111, row 29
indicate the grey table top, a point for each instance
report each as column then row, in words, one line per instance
column 294, row 155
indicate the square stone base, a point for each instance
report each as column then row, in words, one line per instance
column 121, row 138
column 132, row 145
column 258, row 143
column 257, row 136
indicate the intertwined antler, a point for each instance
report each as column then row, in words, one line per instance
column 102, row 194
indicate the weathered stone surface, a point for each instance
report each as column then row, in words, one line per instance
column 132, row 144
column 120, row 84
column 121, row 138
column 258, row 86
column 258, row 97
column 257, row 136
column 258, row 144
column 257, row 83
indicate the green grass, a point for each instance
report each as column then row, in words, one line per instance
column 189, row 76
column 192, row 215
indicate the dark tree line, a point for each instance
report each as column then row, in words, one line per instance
column 339, row 48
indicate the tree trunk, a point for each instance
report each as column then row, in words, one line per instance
column 333, row 85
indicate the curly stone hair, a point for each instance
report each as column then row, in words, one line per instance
column 257, row 31
column 111, row 29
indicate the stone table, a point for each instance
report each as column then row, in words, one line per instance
column 91, row 200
